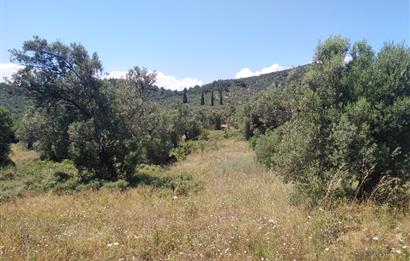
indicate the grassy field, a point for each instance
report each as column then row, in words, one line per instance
column 236, row 211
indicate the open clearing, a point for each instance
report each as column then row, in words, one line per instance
column 241, row 212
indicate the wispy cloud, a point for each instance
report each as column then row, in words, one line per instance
column 246, row 72
column 163, row 80
column 7, row 70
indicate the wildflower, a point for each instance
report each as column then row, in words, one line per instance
column 116, row 243
column 375, row 238
column 174, row 197
column 326, row 249
column 109, row 245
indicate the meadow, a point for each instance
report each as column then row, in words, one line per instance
column 229, row 208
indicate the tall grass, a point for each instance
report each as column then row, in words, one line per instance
column 240, row 212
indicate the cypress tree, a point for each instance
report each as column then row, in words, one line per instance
column 185, row 96
column 220, row 98
column 202, row 99
column 212, row 99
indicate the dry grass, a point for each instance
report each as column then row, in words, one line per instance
column 20, row 155
column 242, row 213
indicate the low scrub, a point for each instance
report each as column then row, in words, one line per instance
column 165, row 181
column 31, row 175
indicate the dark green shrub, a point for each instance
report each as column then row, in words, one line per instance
column 183, row 150
column 119, row 185
column 347, row 133
column 266, row 111
column 6, row 135
column 170, row 183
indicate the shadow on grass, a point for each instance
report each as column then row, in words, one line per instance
column 158, row 178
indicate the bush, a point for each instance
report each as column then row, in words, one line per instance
column 347, row 134
column 6, row 135
column 170, row 183
column 183, row 150
column 266, row 111
column 37, row 176
column 227, row 133
column 119, row 185
column 105, row 130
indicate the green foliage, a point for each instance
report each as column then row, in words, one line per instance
column 227, row 133
column 266, row 111
column 237, row 92
column 36, row 176
column 184, row 121
column 185, row 96
column 105, row 130
column 179, row 184
column 119, row 185
column 221, row 97
column 15, row 103
column 6, row 135
column 341, row 132
column 212, row 99
column 192, row 146
column 202, row 99
column 183, row 150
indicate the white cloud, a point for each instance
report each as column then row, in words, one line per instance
column 7, row 70
column 347, row 59
column 163, row 80
column 116, row 75
column 170, row 82
column 246, row 72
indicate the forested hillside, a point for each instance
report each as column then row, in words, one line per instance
column 234, row 91
column 15, row 103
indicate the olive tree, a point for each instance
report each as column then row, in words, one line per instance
column 347, row 134
column 81, row 117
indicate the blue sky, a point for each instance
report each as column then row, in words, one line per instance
column 203, row 40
